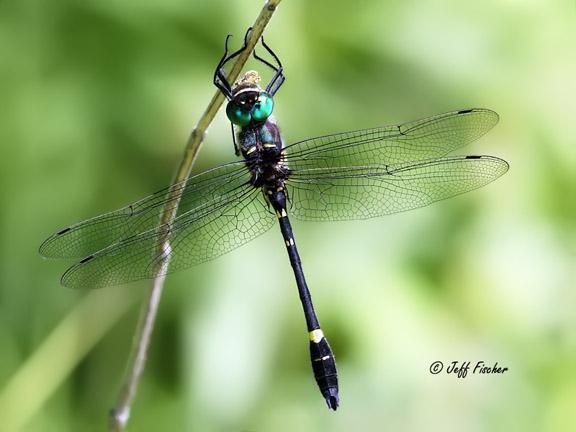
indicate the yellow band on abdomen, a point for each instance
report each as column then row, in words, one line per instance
column 316, row 335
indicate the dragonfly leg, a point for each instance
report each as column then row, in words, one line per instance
column 220, row 79
column 236, row 148
column 278, row 78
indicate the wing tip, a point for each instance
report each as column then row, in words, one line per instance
column 503, row 165
column 65, row 279
column 69, row 281
column 44, row 249
column 493, row 113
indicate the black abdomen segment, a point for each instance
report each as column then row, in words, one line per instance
column 321, row 355
column 324, row 367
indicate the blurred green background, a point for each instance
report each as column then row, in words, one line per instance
column 97, row 100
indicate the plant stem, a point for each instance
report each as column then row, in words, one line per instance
column 120, row 414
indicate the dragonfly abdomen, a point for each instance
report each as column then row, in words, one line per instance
column 321, row 355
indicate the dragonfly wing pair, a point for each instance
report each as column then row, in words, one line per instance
column 375, row 172
column 352, row 175
column 219, row 211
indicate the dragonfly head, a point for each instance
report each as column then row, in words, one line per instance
column 249, row 103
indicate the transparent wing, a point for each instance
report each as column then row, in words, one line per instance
column 344, row 193
column 428, row 138
column 91, row 235
column 202, row 234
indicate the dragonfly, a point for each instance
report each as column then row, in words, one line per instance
column 352, row 175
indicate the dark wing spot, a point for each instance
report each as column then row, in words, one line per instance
column 466, row 111
column 473, row 157
column 65, row 230
column 84, row 260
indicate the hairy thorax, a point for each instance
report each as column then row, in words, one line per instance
column 261, row 146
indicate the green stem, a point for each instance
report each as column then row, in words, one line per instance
column 120, row 414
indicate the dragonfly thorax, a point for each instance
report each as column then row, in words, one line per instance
column 261, row 145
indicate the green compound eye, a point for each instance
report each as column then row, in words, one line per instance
column 237, row 115
column 263, row 107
